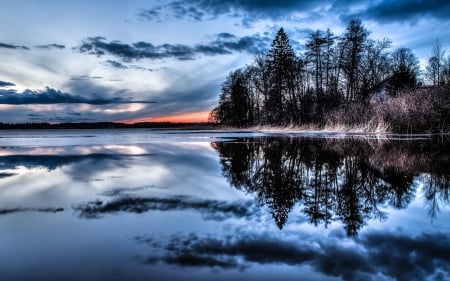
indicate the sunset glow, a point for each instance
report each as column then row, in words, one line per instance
column 194, row 117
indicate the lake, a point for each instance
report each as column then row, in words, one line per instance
column 205, row 205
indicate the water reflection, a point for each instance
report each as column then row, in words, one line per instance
column 49, row 162
column 210, row 209
column 374, row 256
column 240, row 209
column 348, row 180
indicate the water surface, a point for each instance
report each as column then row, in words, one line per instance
column 168, row 205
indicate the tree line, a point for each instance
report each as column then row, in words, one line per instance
column 334, row 76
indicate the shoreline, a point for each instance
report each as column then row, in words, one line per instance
column 287, row 132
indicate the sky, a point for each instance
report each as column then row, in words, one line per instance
column 138, row 61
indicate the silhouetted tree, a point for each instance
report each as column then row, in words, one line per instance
column 352, row 45
column 375, row 66
column 319, row 56
column 334, row 81
column 405, row 70
column 281, row 60
column 235, row 104
column 436, row 63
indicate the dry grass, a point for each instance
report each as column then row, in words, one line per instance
column 375, row 127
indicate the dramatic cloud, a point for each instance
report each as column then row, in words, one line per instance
column 190, row 47
column 9, row 46
column 251, row 11
column 409, row 258
column 248, row 11
column 52, row 96
column 404, row 11
column 210, row 209
column 40, row 210
column 222, row 45
column 51, row 46
column 376, row 256
column 6, row 84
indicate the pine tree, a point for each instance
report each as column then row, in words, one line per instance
column 281, row 59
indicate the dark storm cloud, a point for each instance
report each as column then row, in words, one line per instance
column 248, row 10
column 128, row 52
column 210, row 209
column 52, row 96
column 376, row 256
column 20, row 210
column 9, row 46
column 223, row 44
column 6, row 84
column 404, row 11
column 51, row 46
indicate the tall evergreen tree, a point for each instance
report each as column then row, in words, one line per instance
column 281, row 59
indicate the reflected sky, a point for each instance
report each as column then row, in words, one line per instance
column 194, row 206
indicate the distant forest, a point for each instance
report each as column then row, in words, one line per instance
column 106, row 125
column 348, row 80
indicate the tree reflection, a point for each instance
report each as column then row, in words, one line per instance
column 345, row 180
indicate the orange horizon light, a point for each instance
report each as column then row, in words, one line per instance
column 193, row 117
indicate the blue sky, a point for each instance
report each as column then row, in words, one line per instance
column 70, row 61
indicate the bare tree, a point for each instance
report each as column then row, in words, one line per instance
column 352, row 45
column 435, row 67
column 405, row 70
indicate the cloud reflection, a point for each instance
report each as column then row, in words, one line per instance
column 102, row 157
column 50, row 162
column 374, row 256
column 210, row 209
